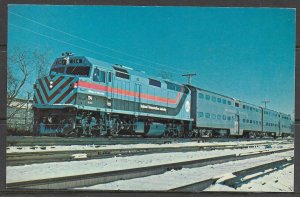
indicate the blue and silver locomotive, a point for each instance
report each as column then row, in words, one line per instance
column 84, row 96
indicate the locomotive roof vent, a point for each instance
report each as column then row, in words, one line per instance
column 123, row 66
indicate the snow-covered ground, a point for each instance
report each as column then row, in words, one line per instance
column 278, row 181
column 173, row 179
column 12, row 149
column 61, row 169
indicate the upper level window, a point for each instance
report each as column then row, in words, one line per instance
column 219, row 100
column 229, row 102
column 83, row 71
column 99, row 75
column 213, row 98
column 154, row 83
column 207, row 97
column 200, row 95
column 237, row 104
column 224, row 101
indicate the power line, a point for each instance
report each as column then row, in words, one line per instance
column 86, row 49
column 91, row 42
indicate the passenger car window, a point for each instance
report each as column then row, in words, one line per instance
column 224, row 101
column 201, row 95
column 200, row 114
column 224, row 117
column 207, row 97
column 207, row 115
column 213, row 98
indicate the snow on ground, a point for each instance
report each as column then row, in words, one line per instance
column 173, row 179
column 12, row 149
column 55, row 169
column 278, row 181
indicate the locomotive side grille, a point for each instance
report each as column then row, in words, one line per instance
column 54, row 90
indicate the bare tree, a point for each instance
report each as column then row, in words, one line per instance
column 41, row 61
column 18, row 73
column 24, row 66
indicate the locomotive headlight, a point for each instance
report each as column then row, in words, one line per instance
column 51, row 86
column 51, row 82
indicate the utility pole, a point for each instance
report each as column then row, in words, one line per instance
column 262, row 117
column 189, row 77
column 265, row 102
column 27, row 108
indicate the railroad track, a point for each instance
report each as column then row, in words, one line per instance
column 22, row 158
column 51, row 141
column 238, row 178
column 85, row 180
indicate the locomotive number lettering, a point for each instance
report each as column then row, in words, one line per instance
column 76, row 61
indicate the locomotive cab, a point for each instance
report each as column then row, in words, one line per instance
column 74, row 84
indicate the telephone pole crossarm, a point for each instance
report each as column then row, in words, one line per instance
column 265, row 102
column 189, row 76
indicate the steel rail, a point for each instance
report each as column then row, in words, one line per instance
column 85, row 180
column 21, row 158
column 237, row 180
column 50, row 141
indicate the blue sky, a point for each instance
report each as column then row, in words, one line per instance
column 246, row 53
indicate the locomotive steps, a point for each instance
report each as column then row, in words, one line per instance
column 85, row 180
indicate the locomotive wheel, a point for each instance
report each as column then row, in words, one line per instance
column 78, row 131
column 191, row 134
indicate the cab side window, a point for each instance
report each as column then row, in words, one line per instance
column 99, row 75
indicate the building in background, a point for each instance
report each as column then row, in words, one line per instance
column 20, row 117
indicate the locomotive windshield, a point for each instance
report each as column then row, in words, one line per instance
column 82, row 71
column 57, row 70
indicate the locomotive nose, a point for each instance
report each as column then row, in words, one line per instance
column 57, row 89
